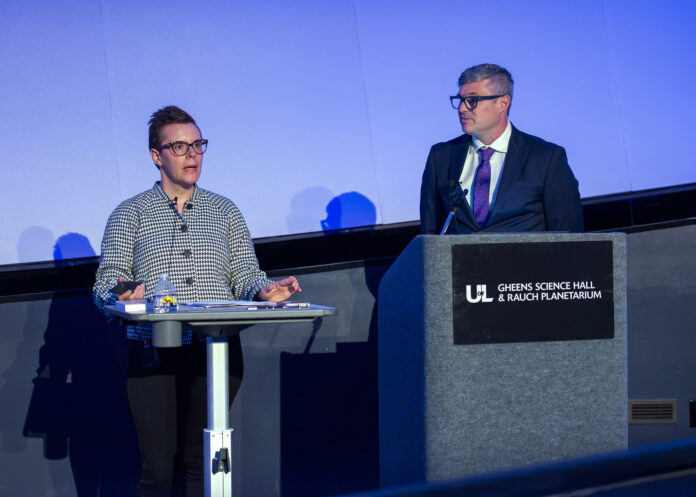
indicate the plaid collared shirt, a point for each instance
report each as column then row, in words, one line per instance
column 206, row 250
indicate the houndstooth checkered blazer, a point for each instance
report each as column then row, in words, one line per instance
column 206, row 250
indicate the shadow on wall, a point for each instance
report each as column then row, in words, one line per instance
column 349, row 210
column 307, row 209
column 329, row 401
column 72, row 246
column 34, row 244
column 79, row 404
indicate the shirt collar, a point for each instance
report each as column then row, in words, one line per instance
column 499, row 145
column 158, row 189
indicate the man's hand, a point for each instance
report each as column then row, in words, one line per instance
column 278, row 291
column 456, row 196
column 136, row 294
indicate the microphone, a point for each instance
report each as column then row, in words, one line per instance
column 173, row 204
column 456, row 197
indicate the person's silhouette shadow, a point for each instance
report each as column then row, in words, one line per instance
column 349, row 210
column 79, row 404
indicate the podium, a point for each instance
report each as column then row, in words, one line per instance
column 499, row 351
column 216, row 325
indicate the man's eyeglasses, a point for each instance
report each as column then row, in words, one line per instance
column 471, row 101
column 182, row 148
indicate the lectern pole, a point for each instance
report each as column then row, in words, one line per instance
column 217, row 438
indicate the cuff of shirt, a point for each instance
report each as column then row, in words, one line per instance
column 257, row 287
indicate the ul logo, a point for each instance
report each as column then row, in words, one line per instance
column 479, row 294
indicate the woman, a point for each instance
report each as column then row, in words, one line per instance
column 201, row 240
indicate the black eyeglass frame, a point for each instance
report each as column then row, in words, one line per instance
column 170, row 146
column 471, row 98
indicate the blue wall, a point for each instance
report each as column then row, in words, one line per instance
column 304, row 102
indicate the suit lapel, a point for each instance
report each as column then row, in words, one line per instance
column 457, row 157
column 514, row 161
column 456, row 165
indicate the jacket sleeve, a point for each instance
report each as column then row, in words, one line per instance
column 562, row 205
column 431, row 211
column 116, row 254
column 246, row 277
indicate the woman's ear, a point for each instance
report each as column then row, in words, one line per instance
column 154, row 153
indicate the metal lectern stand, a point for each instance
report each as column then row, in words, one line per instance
column 217, row 324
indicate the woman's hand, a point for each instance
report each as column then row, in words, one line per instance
column 278, row 291
column 136, row 294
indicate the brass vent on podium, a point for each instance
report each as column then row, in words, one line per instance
column 649, row 412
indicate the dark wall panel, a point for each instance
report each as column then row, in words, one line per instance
column 305, row 419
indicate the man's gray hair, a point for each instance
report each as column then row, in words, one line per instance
column 500, row 78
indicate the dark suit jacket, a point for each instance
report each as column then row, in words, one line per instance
column 537, row 189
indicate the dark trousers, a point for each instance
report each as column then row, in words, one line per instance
column 167, row 396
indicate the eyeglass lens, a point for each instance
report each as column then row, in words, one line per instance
column 469, row 102
column 182, row 148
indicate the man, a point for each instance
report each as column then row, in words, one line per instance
column 510, row 181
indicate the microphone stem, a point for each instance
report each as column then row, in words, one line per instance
column 449, row 219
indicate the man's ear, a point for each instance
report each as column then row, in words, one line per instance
column 505, row 102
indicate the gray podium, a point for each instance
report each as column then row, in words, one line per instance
column 499, row 351
column 216, row 325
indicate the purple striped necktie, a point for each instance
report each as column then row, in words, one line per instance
column 482, row 186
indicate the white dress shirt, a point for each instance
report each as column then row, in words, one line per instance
column 497, row 160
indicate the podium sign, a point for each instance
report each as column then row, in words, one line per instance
column 532, row 292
